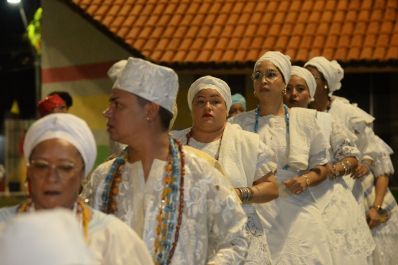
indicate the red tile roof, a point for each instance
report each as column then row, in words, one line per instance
column 238, row 31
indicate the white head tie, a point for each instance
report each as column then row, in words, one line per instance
column 211, row 82
column 67, row 127
column 332, row 71
column 280, row 60
column 152, row 82
column 116, row 69
column 308, row 78
column 47, row 237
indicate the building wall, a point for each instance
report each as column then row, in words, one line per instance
column 75, row 58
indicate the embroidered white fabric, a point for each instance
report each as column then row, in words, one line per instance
column 213, row 222
column 298, row 234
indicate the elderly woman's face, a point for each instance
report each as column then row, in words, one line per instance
column 267, row 81
column 209, row 112
column 55, row 172
column 297, row 93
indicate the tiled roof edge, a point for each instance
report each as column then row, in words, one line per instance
column 104, row 29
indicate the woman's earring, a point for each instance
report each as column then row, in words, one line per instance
column 284, row 91
column 148, row 119
column 325, row 87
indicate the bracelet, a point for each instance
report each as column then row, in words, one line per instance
column 246, row 194
column 334, row 172
column 349, row 166
column 377, row 207
column 344, row 167
column 307, row 180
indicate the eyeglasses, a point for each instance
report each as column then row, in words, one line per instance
column 65, row 170
column 270, row 75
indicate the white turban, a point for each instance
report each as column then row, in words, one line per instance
column 308, row 78
column 67, row 127
column 331, row 70
column 150, row 81
column 280, row 60
column 211, row 82
column 116, row 69
column 48, row 237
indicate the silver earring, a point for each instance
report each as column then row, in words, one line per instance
column 325, row 87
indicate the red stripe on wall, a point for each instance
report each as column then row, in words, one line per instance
column 75, row 72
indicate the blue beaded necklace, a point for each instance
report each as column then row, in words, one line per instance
column 286, row 118
column 286, row 122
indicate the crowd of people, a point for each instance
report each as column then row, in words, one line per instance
column 300, row 179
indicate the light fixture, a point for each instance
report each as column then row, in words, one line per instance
column 14, row 2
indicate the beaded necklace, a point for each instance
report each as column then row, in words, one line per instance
column 286, row 122
column 172, row 200
column 83, row 211
column 217, row 156
column 286, row 118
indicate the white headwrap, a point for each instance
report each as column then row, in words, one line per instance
column 116, row 69
column 48, row 237
column 67, row 127
column 280, row 60
column 308, row 78
column 331, row 70
column 150, row 81
column 212, row 82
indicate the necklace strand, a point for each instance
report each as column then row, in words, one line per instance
column 172, row 200
column 82, row 210
column 257, row 112
column 217, row 156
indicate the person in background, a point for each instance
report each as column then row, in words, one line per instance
column 238, row 105
column 61, row 150
column 65, row 96
column 247, row 162
column 182, row 207
column 51, row 104
column 298, row 234
column 48, row 237
column 341, row 213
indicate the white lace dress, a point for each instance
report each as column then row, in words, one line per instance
column 298, row 234
column 349, row 236
column 385, row 235
column 244, row 159
column 212, row 229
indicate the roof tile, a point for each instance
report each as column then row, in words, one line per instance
column 342, row 5
column 281, row 43
column 383, row 40
column 344, row 41
column 217, row 31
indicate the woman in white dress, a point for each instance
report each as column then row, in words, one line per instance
column 382, row 209
column 60, row 149
column 349, row 234
column 298, row 234
column 247, row 161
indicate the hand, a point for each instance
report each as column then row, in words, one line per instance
column 373, row 218
column 362, row 170
column 296, row 184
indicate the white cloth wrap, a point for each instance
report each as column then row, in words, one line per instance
column 210, row 82
column 280, row 60
column 308, row 78
column 150, row 81
column 331, row 70
column 67, row 127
